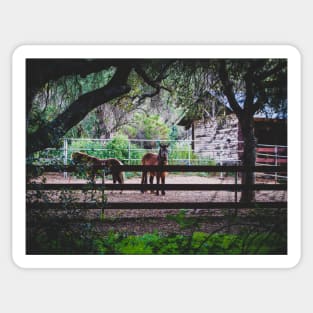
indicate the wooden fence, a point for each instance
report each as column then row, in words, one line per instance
column 158, row 205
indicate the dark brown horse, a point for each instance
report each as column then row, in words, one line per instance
column 155, row 159
column 89, row 161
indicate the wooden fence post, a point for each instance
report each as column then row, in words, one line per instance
column 102, row 197
column 276, row 151
column 129, row 152
column 65, row 153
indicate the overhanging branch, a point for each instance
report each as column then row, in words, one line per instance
column 49, row 134
column 155, row 83
column 228, row 90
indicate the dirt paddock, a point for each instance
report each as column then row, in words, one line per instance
column 173, row 195
column 144, row 220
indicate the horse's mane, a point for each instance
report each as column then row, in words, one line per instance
column 82, row 155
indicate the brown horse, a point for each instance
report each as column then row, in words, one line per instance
column 155, row 159
column 89, row 161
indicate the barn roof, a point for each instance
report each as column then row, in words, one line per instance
column 186, row 120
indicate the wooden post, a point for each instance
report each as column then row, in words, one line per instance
column 102, row 197
column 189, row 153
column 65, row 152
column 193, row 136
column 276, row 151
column 236, row 181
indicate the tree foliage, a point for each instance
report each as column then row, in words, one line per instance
column 127, row 78
column 245, row 87
column 150, row 127
column 61, row 93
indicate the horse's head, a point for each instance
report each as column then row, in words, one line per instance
column 163, row 153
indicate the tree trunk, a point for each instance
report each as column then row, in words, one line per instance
column 101, row 128
column 249, row 157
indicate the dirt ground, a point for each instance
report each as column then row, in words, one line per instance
column 173, row 195
column 139, row 221
column 177, row 196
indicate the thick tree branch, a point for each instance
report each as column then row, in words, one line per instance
column 228, row 90
column 41, row 71
column 262, row 99
column 49, row 135
column 155, row 83
column 249, row 88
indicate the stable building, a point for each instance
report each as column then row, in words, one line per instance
column 221, row 139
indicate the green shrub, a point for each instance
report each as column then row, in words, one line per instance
column 87, row 242
column 46, row 157
column 117, row 147
column 148, row 127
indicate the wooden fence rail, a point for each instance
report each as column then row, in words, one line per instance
column 206, row 187
column 156, row 205
column 167, row 168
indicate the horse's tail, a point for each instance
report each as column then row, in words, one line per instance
column 120, row 173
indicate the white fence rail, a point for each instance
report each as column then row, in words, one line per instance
column 180, row 152
column 179, row 147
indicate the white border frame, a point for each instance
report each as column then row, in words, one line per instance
column 155, row 51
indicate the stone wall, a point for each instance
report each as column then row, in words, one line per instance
column 217, row 138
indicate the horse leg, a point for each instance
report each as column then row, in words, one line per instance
column 151, row 182
column 92, row 177
column 114, row 181
column 158, row 184
column 120, row 181
column 163, row 185
column 143, row 180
